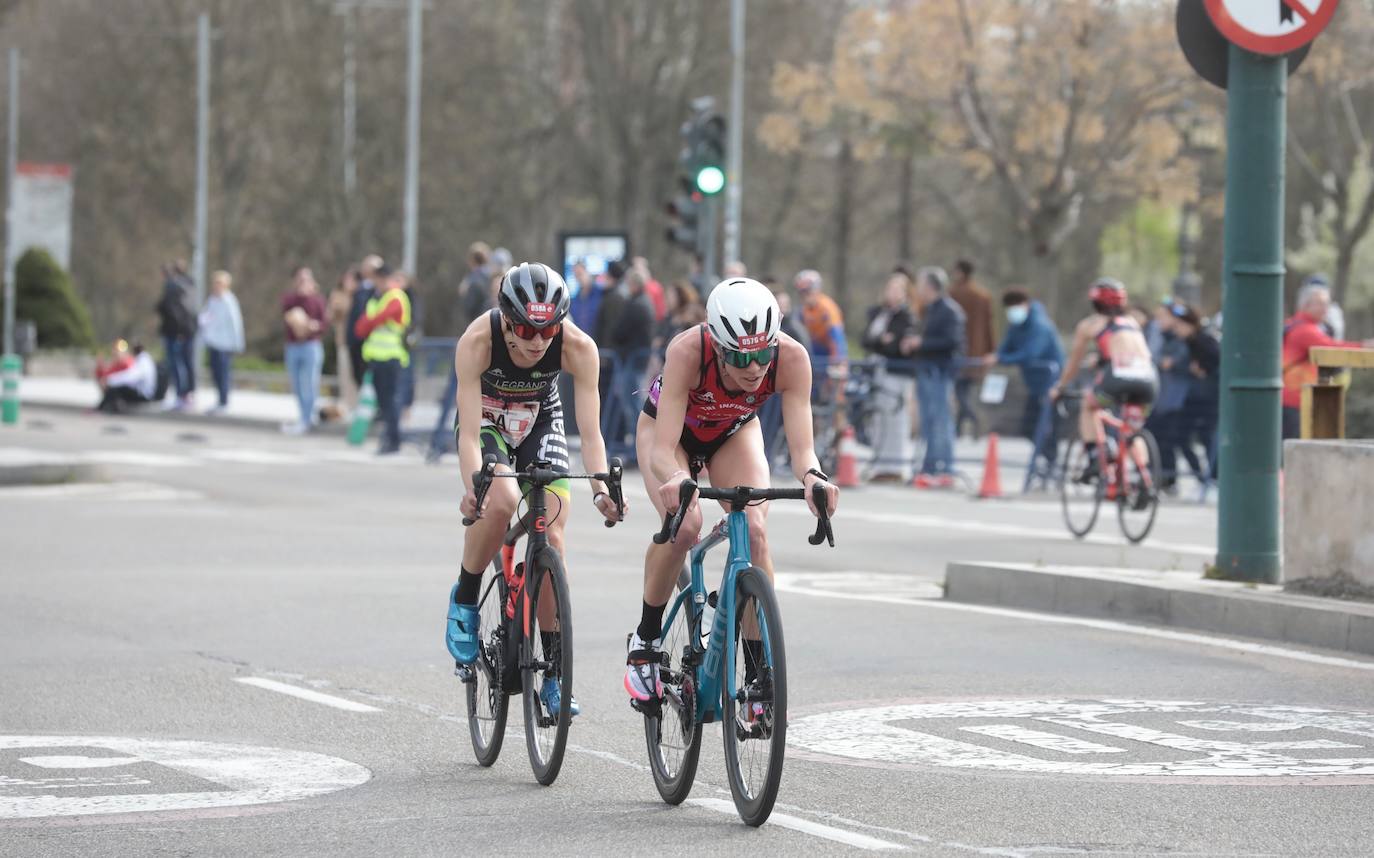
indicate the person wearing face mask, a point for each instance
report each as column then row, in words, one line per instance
column 1032, row 344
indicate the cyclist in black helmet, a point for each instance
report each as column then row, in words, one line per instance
column 508, row 362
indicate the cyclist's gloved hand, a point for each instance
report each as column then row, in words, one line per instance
column 670, row 492
column 606, row 506
column 832, row 494
column 468, row 507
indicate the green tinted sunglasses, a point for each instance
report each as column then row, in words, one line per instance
column 741, row 360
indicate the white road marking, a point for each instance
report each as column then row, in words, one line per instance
column 1242, row 726
column 1021, row 531
column 873, row 734
column 1041, row 739
column 787, row 583
column 58, row 761
column 123, row 491
column 241, row 775
column 306, row 694
column 805, row 826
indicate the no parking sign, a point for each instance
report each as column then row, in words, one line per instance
column 1271, row 27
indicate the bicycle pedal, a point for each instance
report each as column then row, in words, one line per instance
column 464, row 672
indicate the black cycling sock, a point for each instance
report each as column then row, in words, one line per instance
column 753, row 658
column 1090, row 446
column 469, row 586
column 650, row 622
column 550, row 642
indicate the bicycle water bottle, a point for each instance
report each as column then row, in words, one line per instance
column 367, row 409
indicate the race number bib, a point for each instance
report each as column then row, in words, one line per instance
column 512, row 419
column 1134, row 367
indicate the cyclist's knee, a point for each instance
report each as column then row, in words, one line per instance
column 758, row 528
column 555, row 534
column 501, row 501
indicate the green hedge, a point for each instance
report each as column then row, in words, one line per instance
column 45, row 296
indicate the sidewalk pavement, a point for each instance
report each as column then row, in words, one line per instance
column 250, row 408
column 1178, row 599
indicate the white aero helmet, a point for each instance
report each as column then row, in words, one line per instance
column 743, row 315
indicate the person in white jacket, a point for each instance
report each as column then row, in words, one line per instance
column 221, row 327
column 131, row 386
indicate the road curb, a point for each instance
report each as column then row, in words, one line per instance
column 188, row 418
column 1180, row 600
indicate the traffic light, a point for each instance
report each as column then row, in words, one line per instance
column 685, row 212
column 709, row 152
column 701, row 173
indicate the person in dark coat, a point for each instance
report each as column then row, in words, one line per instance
column 890, row 322
column 177, row 325
column 937, row 351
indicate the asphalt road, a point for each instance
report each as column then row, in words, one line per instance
column 133, row 610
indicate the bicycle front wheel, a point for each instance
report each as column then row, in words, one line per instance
column 546, row 668
column 674, row 733
column 754, row 724
column 1138, row 502
column 1080, row 488
column 487, row 702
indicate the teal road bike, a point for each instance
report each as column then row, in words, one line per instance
column 722, row 659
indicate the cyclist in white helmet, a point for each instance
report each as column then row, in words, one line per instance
column 699, row 419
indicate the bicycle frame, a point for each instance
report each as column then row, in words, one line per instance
column 1131, row 421
column 706, row 661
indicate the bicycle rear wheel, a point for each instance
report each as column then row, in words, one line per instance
column 487, row 702
column 546, row 656
column 1080, row 488
column 674, row 734
column 754, row 724
column 1138, row 502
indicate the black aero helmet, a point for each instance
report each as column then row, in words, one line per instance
column 534, row 294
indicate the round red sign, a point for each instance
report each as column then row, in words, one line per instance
column 1271, row 27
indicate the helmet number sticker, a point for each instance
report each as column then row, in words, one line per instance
column 753, row 342
column 540, row 313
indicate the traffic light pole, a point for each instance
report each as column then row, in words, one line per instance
column 707, row 237
column 1248, row 535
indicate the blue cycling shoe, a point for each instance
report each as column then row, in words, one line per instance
column 463, row 630
column 551, row 696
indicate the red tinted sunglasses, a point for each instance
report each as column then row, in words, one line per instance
column 529, row 332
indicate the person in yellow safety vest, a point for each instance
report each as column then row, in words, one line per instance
column 382, row 328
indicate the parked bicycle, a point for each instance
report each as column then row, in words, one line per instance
column 526, row 622
column 737, row 676
column 1087, row 478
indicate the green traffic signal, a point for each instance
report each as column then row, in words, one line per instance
column 710, row 180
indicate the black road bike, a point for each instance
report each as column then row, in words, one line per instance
column 517, row 652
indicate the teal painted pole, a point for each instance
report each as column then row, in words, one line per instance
column 1248, row 530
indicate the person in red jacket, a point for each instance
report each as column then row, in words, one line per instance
column 1301, row 332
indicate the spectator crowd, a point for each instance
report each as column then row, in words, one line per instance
column 930, row 337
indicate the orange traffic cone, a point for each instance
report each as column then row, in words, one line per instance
column 847, row 466
column 992, row 481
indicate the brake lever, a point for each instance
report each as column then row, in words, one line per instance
column 481, row 482
column 672, row 523
column 613, row 477
column 824, row 532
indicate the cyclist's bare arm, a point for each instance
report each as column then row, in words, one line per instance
column 680, row 369
column 582, row 361
column 470, row 358
column 1082, row 337
column 794, row 386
